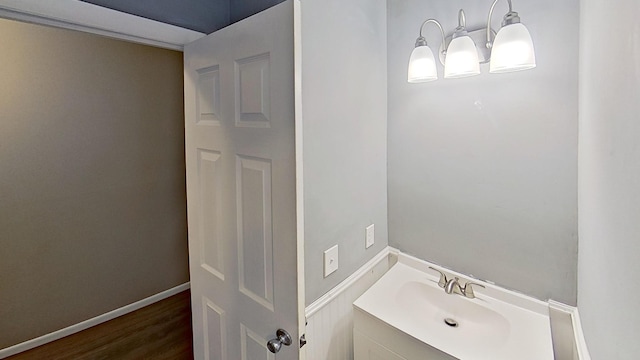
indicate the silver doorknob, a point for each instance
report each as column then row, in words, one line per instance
column 283, row 338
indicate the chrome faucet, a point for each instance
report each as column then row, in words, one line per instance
column 452, row 286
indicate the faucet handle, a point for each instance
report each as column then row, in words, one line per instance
column 443, row 278
column 467, row 290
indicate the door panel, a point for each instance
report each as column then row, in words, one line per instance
column 241, row 187
column 253, row 346
column 209, row 189
column 252, row 91
column 215, row 344
column 255, row 242
column 208, row 96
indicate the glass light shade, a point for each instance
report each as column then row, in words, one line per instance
column 422, row 65
column 462, row 58
column 512, row 50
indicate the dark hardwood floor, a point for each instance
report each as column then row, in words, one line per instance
column 158, row 331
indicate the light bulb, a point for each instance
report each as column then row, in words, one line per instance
column 462, row 58
column 422, row 65
column 512, row 50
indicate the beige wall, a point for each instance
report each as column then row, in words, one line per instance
column 92, row 189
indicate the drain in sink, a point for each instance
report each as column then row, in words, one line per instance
column 451, row 322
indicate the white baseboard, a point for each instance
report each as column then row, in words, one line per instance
column 581, row 343
column 33, row 343
column 582, row 353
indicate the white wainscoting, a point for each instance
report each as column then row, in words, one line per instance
column 329, row 331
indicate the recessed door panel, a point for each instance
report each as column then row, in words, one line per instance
column 215, row 343
column 208, row 97
column 255, row 237
column 211, row 257
column 252, row 91
column 253, row 345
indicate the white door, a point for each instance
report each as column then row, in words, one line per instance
column 241, row 187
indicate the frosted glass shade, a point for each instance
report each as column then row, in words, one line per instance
column 422, row 65
column 512, row 50
column 462, row 58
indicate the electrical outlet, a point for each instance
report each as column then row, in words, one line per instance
column 370, row 237
column 330, row 260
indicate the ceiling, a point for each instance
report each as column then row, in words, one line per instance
column 205, row 16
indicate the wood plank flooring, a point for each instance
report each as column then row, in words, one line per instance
column 158, row 331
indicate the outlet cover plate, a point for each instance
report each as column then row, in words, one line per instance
column 330, row 260
column 370, row 237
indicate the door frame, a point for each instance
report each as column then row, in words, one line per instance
column 298, row 124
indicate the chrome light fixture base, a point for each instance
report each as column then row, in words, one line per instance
column 510, row 18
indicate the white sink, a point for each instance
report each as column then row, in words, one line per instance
column 497, row 324
column 423, row 303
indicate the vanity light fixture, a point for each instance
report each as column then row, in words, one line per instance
column 511, row 49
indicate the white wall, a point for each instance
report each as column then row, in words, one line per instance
column 609, row 198
column 344, row 99
column 483, row 170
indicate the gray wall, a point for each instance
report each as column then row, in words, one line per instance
column 344, row 96
column 483, row 170
column 609, row 198
column 92, row 189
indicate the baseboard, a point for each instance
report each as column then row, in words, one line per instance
column 581, row 343
column 578, row 336
column 33, row 343
column 346, row 283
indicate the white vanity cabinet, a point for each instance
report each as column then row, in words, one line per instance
column 367, row 349
column 376, row 340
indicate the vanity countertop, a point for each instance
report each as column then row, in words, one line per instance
column 497, row 325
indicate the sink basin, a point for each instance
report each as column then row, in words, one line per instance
column 426, row 304
column 497, row 325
